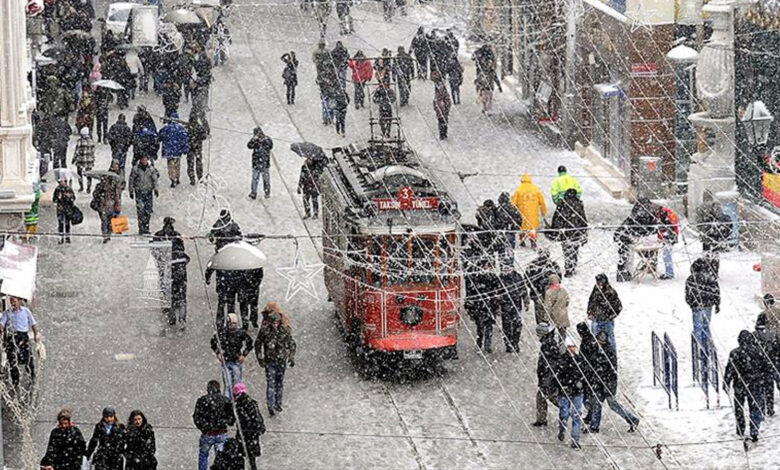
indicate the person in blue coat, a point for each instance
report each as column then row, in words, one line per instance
column 175, row 143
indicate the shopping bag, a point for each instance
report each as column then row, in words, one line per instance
column 119, row 224
column 75, row 215
column 40, row 349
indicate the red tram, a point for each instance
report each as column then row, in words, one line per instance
column 390, row 241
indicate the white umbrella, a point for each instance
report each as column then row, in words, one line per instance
column 237, row 256
column 182, row 16
column 109, row 84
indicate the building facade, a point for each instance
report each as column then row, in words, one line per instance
column 18, row 162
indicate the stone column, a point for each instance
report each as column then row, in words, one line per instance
column 18, row 165
column 714, row 169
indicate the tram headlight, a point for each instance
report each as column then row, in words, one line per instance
column 411, row 315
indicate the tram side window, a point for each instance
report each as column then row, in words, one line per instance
column 446, row 261
column 397, row 259
column 374, row 258
column 423, row 255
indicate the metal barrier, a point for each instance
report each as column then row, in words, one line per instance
column 705, row 369
column 665, row 367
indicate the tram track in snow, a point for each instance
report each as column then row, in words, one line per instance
column 447, row 397
column 385, row 389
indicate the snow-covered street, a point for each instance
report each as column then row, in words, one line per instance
column 106, row 345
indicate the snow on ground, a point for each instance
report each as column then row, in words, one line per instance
column 478, row 415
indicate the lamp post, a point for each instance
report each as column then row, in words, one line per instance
column 757, row 122
column 714, row 169
column 683, row 60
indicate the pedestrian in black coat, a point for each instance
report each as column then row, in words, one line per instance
column 248, row 296
column 572, row 226
column 120, row 136
column 601, row 378
column 212, row 416
column 308, row 187
column 340, row 55
column 571, row 384
column 403, row 72
column 745, row 375
column 107, row 443
column 290, row 75
column 509, row 219
column 178, row 310
column 514, row 295
column 604, row 306
column 261, row 146
column 713, row 225
column 482, row 293
column 537, row 276
column 140, row 445
column 769, row 346
column 549, row 353
column 250, row 423
column 231, row 457
column 421, row 50
column 198, row 130
column 142, row 119
column 224, row 231
column 66, row 446
column 702, row 290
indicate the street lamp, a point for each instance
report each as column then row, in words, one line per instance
column 757, row 120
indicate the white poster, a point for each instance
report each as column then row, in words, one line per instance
column 18, row 267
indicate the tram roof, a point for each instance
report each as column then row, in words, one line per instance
column 375, row 173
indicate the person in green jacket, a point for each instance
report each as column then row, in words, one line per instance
column 31, row 216
column 563, row 182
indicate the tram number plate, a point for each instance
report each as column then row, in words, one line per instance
column 413, row 354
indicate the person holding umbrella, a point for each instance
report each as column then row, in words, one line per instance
column 307, row 185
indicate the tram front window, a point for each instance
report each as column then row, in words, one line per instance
column 410, row 259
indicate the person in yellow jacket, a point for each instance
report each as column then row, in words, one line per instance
column 529, row 200
column 563, row 182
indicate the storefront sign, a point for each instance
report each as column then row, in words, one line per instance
column 771, row 188
column 644, row 70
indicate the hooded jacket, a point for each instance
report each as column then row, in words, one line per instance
column 599, row 364
column 250, row 423
column 701, row 288
column 570, row 220
column 748, row 368
column 529, row 201
column 507, row 215
column 556, row 303
column 362, row 71
column 604, row 303
column 224, row 231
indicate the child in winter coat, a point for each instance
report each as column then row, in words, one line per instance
column 84, row 157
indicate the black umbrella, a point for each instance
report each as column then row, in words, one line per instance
column 308, row 150
column 55, row 53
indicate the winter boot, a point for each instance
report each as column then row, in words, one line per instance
column 539, row 424
column 562, row 435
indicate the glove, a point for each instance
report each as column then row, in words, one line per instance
column 208, row 281
column 132, row 196
column 156, row 193
column 717, row 309
column 299, row 190
column 292, row 364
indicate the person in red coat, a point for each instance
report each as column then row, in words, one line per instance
column 362, row 72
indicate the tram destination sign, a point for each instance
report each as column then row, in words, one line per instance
column 406, row 201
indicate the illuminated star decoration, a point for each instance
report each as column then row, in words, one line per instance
column 300, row 277
column 637, row 24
